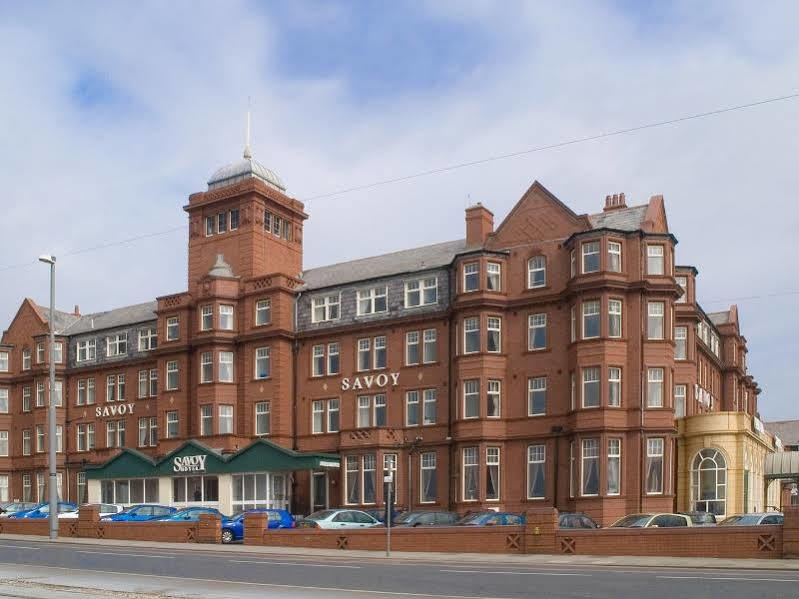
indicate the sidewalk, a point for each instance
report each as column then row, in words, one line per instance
column 529, row 560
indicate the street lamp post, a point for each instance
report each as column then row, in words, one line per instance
column 51, row 434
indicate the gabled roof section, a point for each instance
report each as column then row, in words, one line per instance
column 127, row 463
column 405, row 261
column 29, row 306
column 537, row 216
column 725, row 316
column 621, row 219
column 63, row 320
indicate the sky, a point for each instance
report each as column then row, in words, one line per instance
column 112, row 113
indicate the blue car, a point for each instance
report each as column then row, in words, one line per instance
column 192, row 514
column 233, row 528
column 492, row 519
column 43, row 510
column 142, row 513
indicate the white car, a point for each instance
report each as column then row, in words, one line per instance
column 338, row 519
column 106, row 509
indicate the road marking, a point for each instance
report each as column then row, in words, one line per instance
column 732, row 578
column 256, row 584
column 515, row 572
column 244, row 561
column 128, row 554
column 18, row 547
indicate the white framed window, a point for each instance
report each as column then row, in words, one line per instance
column 226, row 317
column 591, row 319
column 39, row 394
column 153, row 431
column 364, row 354
column 263, row 312
column 332, row 415
column 364, row 411
column 372, row 301
column 172, row 328
column 225, row 419
column 221, row 222
column 206, row 367
column 206, row 420
column 471, row 276
column 81, row 437
column 614, row 467
column 380, row 352
column 87, row 350
column 117, row 345
column 654, row 466
column 614, row 318
column 26, row 487
column 679, row 401
column 591, row 387
column 40, row 352
column 325, row 308
column 369, row 477
column 90, row 436
column 90, row 394
column 58, row 352
column 590, row 256
column 471, row 398
column 429, row 409
column 172, row 424
column 492, row 474
column 536, row 471
column 318, row 416
column 333, row 363
column 58, row 392
column 572, row 263
column 110, row 433
column 680, row 343
column 153, row 382
column 471, row 335
column 493, row 276
column 352, row 473
column 206, row 318
column 148, row 339
column 318, row 360
column 614, row 386
column 655, row 311
column 654, row 260
column 494, row 334
column 430, row 346
column 411, row 348
column 226, row 366
column 536, row 396
column 614, row 256
column 421, row 292
column 493, row 398
column 411, row 408
column 536, row 331
column 234, row 219
column 262, row 363
column 26, row 398
column 4, row 444
column 573, row 324
column 172, row 375
column 210, row 225
column 144, row 431
column 682, row 282
column 654, row 394
column 536, row 272
column 26, row 359
column 26, row 441
column 427, row 477
column 262, row 418
column 110, row 388
column 471, row 468
column 142, row 388
column 3, row 400
column 590, row 467
column 379, row 418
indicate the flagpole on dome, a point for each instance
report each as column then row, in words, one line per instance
column 247, row 152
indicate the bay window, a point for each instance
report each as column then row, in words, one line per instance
column 654, row 466
column 536, row 471
column 590, row 467
column 471, row 467
column 492, row 473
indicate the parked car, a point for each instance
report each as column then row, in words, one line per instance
column 338, row 519
column 753, row 519
column 141, row 513
column 652, row 521
column 12, row 507
column 575, row 520
column 701, row 518
column 106, row 509
column 427, row 518
column 192, row 514
column 43, row 510
column 233, row 529
column 379, row 514
column 492, row 519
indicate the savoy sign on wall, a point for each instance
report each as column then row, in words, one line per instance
column 189, row 463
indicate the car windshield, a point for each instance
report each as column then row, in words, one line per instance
column 632, row 521
column 742, row 520
column 405, row 517
column 470, row 518
column 321, row 515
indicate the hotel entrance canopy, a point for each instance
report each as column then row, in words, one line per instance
column 782, row 464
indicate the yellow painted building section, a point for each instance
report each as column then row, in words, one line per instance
column 744, row 449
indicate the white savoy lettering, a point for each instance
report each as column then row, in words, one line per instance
column 189, row 463
column 113, row 410
column 367, row 381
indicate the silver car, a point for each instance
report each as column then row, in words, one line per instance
column 338, row 519
column 753, row 519
column 106, row 509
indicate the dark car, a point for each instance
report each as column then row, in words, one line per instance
column 379, row 514
column 575, row 520
column 141, row 513
column 492, row 519
column 192, row 514
column 701, row 518
column 755, row 519
column 426, row 518
column 233, row 529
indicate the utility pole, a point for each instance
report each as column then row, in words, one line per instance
column 51, row 428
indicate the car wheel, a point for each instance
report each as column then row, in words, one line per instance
column 227, row 536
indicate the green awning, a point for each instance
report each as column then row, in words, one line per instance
column 196, row 458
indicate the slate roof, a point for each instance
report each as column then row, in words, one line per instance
column 786, row 430
column 622, row 219
column 718, row 318
column 405, row 261
column 69, row 324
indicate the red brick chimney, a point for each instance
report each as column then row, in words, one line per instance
column 479, row 223
column 614, row 202
column 77, row 310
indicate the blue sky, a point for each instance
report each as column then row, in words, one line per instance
column 113, row 113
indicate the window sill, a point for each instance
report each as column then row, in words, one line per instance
column 257, row 379
column 538, row 350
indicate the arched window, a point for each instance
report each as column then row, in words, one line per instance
column 709, row 482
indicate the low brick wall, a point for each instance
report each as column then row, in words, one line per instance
column 450, row 539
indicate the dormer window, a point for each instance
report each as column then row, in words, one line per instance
column 325, row 308
column 654, row 260
column 117, row 345
column 372, row 301
column 148, row 339
column 421, row 292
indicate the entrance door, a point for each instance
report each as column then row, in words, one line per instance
column 320, row 501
